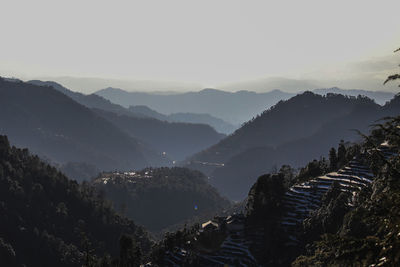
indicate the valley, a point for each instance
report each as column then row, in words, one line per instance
column 199, row 133
column 185, row 214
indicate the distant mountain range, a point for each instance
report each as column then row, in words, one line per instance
column 235, row 108
column 84, row 134
column 174, row 140
column 292, row 132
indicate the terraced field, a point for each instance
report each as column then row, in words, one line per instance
column 302, row 199
column 234, row 251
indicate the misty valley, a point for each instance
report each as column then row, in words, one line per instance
column 104, row 180
column 206, row 133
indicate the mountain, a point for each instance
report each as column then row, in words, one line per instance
column 379, row 96
column 178, row 140
column 175, row 140
column 292, row 132
column 146, row 112
column 56, row 127
column 219, row 125
column 162, row 197
column 272, row 83
column 49, row 220
column 338, row 212
column 334, row 217
column 234, row 108
column 90, row 101
column 89, row 85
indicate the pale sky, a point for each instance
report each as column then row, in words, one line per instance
column 207, row 42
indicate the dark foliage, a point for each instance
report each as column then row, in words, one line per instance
column 293, row 132
column 368, row 234
column 54, row 126
column 49, row 220
column 79, row 171
column 162, row 197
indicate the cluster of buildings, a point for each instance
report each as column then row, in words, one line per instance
column 232, row 223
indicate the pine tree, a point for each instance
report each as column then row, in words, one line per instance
column 333, row 160
column 341, row 155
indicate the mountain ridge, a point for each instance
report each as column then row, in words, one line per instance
column 309, row 130
column 39, row 118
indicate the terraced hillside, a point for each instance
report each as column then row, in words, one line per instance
column 233, row 251
column 302, row 199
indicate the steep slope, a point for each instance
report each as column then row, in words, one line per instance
column 350, row 213
column 234, row 108
column 146, row 112
column 48, row 220
column 90, row 101
column 163, row 197
column 219, row 125
column 342, row 212
column 56, row 127
column 367, row 230
column 177, row 140
column 296, row 118
column 292, row 132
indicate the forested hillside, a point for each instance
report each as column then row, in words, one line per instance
column 341, row 211
column 292, row 132
column 55, row 127
column 49, row 220
column 177, row 140
column 368, row 232
column 163, row 197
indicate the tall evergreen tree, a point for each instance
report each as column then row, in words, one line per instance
column 333, row 160
column 341, row 155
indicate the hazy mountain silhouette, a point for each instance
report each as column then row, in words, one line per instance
column 234, row 108
column 90, row 101
column 146, row 112
column 292, row 132
column 218, row 124
column 379, row 96
column 58, row 128
column 272, row 83
column 177, row 140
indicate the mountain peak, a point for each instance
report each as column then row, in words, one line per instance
column 211, row 90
